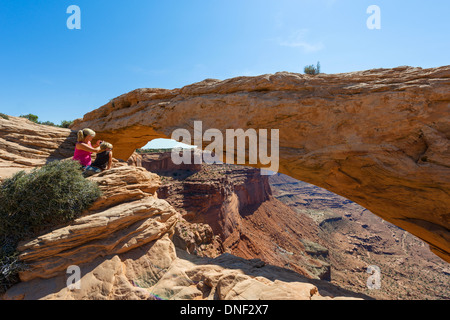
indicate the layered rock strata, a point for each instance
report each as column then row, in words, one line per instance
column 25, row 145
column 236, row 203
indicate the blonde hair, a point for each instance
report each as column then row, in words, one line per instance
column 82, row 134
column 105, row 145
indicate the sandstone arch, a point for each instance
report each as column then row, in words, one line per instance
column 378, row 137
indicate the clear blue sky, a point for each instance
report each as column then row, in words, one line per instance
column 61, row 74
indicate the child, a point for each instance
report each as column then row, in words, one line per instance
column 84, row 148
column 102, row 162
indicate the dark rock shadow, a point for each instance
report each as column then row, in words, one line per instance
column 66, row 148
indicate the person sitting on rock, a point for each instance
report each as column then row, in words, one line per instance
column 102, row 162
column 84, row 148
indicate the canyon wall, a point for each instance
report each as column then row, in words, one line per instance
column 356, row 238
column 247, row 221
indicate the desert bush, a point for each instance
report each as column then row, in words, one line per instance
column 34, row 118
column 311, row 69
column 53, row 194
column 31, row 203
column 4, row 116
column 65, row 124
column 10, row 265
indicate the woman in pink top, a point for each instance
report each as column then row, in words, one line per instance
column 84, row 148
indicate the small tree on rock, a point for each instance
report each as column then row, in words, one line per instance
column 313, row 70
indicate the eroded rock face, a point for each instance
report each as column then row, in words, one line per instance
column 379, row 138
column 237, row 203
column 158, row 271
column 121, row 220
column 112, row 277
column 113, row 231
column 25, row 145
column 124, row 184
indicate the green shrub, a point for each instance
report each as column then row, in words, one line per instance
column 65, row 124
column 53, row 194
column 47, row 123
column 35, row 202
column 4, row 116
column 311, row 69
column 32, row 117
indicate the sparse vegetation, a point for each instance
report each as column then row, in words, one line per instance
column 65, row 124
column 313, row 70
column 34, row 118
column 4, row 116
column 32, row 203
